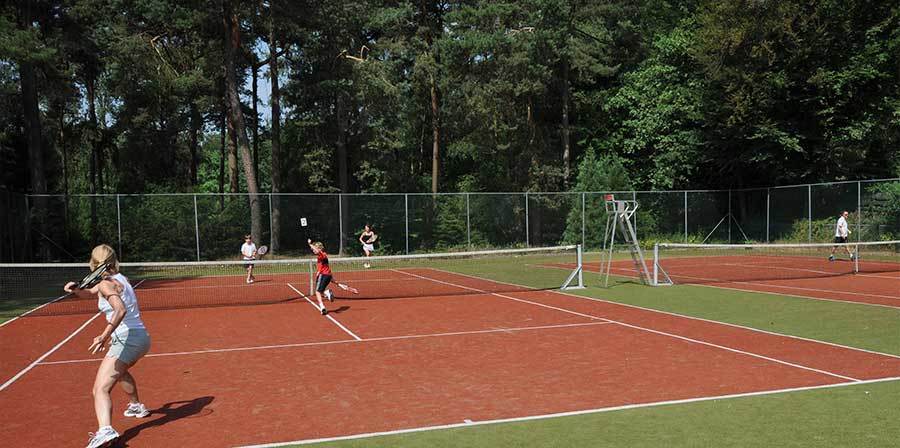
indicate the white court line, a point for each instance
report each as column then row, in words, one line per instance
column 35, row 309
column 344, row 341
column 684, row 316
column 566, row 414
column 49, row 352
column 55, row 348
column 696, row 341
column 347, row 330
column 632, row 274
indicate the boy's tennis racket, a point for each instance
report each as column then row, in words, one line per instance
column 94, row 277
column 347, row 288
column 262, row 250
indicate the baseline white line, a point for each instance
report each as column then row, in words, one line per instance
column 566, row 414
column 55, row 348
column 684, row 316
column 347, row 330
column 696, row 341
column 344, row 341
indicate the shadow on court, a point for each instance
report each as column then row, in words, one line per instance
column 168, row 412
column 339, row 310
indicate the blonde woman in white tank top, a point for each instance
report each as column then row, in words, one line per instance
column 125, row 337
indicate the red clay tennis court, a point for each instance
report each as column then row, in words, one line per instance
column 418, row 348
column 802, row 271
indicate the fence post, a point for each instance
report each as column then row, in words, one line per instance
column 197, row 223
column 340, row 224
column 634, row 198
column 768, row 206
column 271, row 221
column 730, row 216
column 859, row 211
column 685, row 217
column 527, row 231
column 406, row 219
column 468, row 223
column 119, row 222
column 583, row 219
column 809, row 211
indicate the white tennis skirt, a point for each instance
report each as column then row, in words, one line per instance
column 369, row 247
column 129, row 346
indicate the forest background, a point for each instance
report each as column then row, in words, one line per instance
column 159, row 96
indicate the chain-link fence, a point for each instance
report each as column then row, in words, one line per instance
column 184, row 227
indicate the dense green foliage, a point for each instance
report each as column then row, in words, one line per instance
column 105, row 96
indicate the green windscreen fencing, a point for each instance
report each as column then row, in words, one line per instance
column 196, row 227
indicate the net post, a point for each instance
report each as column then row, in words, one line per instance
column 580, row 257
column 656, row 262
column 197, row 224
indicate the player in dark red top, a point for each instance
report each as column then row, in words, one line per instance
column 323, row 274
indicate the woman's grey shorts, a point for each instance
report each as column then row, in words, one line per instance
column 129, row 346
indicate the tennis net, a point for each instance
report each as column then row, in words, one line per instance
column 36, row 289
column 717, row 263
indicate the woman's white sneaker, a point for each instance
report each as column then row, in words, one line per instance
column 102, row 437
column 136, row 410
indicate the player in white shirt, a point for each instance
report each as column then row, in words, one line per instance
column 124, row 338
column 841, row 232
column 248, row 252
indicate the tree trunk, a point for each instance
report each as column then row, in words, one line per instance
column 38, row 180
column 276, row 135
column 232, row 44
column 435, row 137
column 95, row 157
column 255, row 121
column 196, row 125
column 232, row 150
column 343, row 174
column 566, row 155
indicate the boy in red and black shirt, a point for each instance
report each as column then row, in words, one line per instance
column 323, row 274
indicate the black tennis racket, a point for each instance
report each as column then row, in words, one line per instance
column 90, row 280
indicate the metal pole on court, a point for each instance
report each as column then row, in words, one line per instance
column 197, row 224
column 685, row 219
column 583, row 219
column 859, row 211
column 468, row 223
column 809, row 211
column 768, row 207
column 340, row 224
column 527, row 232
column 119, row 222
column 271, row 221
column 406, row 219
column 730, row 216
